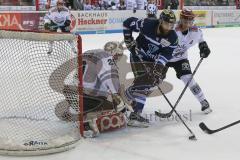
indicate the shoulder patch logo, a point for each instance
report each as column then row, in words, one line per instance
column 165, row 43
column 152, row 48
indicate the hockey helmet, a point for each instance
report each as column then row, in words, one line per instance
column 60, row 2
column 151, row 9
column 187, row 14
column 167, row 15
column 114, row 48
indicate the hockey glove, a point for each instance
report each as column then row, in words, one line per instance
column 118, row 102
column 130, row 44
column 51, row 26
column 204, row 50
column 67, row 29
column 157, row 74
column 67, row 23
column 157, row 78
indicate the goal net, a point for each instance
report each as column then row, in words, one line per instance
column 33, row 107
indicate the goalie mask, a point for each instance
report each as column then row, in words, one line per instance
column 60, row 4
column 151, row 10
column 114, row 48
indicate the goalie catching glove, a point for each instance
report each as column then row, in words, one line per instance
column 50, row 25
column 204, row 50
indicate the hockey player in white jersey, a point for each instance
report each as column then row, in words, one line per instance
column 58, row 19
column 100, row 81
column 189, row 35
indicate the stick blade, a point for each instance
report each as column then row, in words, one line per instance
column 205, row 128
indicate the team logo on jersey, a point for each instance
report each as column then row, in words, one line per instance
column 151, row 49
column 179, row 51
column 165, row 43
column 132, row 24
column 185, row 66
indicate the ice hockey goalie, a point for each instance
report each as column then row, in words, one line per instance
column 102, row 104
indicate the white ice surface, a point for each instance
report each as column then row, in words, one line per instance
column 219, row 78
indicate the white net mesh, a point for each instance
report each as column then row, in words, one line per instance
column 32, row 103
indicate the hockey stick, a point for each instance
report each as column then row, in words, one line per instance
column 210, row 131
column 166, row 115
column 192, row 136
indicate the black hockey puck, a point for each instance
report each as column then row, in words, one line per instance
column 193, row 137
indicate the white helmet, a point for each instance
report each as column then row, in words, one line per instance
column 114, row 48
column 151, row 9
column 60, row 2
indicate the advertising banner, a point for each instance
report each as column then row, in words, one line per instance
column 226, row 18
column 102, row 21
column 21, row 21
column 92, row 22
column 203, row 18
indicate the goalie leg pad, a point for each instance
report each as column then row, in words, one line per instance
column 110, row 120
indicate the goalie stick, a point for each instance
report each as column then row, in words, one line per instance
column 167, row 115
column 210, row 131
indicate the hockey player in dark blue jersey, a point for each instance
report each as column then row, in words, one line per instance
column 149, row 53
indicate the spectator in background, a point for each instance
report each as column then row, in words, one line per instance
column 87, row 5
column 211, row 3
column 26, row 3
column 9, row 3
column 131, row 5
column 105, row 4
column 238, row 4
column 121, row 5
column 141, row 4
column 112, row 5
column 78, row 4
column 68, row 4
column 201, row 3
column 222, row 3
column 172, row 4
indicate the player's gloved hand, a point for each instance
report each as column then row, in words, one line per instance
column 157, row 78
column 130, row 44
column 118, row 102
column 157, row 74
column 67, row 28
column 67, row 23
column 204, row 50
column 50, row 26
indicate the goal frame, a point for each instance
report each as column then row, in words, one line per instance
column 65, row 36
